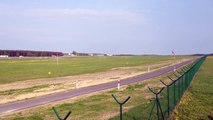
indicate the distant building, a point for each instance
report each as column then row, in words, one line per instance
column 108, row 54
column 3, row 56
column 74, row 53
column 80, row 54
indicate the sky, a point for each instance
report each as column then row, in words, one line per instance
column 108, row 26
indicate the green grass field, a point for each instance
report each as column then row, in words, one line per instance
column 197, row 102
column 17, row 70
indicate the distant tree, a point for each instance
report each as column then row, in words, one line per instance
column 74, row 53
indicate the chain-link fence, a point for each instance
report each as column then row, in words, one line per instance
column 167, row 97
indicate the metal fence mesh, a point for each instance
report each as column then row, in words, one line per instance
column 168, row 97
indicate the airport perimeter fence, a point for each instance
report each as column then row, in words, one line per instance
column 168, row 97
column 165, row 99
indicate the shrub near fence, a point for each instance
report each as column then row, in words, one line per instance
column 168, row 97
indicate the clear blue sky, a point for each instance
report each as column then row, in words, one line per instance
column 108, row 26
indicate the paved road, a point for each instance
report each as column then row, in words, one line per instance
column 16, row 106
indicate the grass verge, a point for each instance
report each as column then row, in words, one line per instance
column 197, row 102
column 22, row 91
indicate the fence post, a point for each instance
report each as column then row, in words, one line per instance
column 176, row 75
column 58, row 116
column 189, row 77
column 185, row 68
column 121, row 104
column 167, row 87
column 174, row 81
column 178, row 79
column 181, row 85
column 183, row 78
column 151, row 110
column 157, row 103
